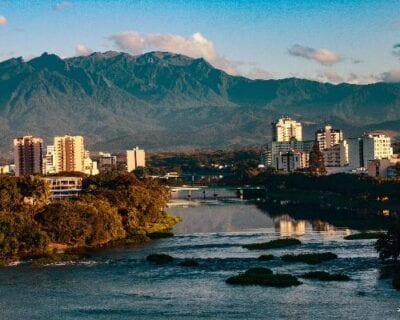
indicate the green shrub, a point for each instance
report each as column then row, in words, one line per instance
column 364, row 235
column 263, row 277
column 160, row 258
column 309, row 258
column 266, row 257
column 325, row 276
column 273, row 244
column 188, row 263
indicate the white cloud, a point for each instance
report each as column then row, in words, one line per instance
column 61, row 5
column 392, row 75
column 258, row 73
column 330, row 76
column 3, row 20
column 322, row 55
column 194, row 46
column 82, row 50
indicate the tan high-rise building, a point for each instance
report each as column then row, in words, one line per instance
column 69, row 153
column 135, row 158
column 328, row 137
column 286, row 129
column 28, row 155
column 332, row 145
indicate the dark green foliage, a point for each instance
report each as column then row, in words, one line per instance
column 325, row 276
column 188, row 263
column 112, row 207
column 159, row 99
column 159, row 258
column 160, row 235
column 20, row 236
column 388, row 245
column 364, row 235
column 273, row 244
column 266, row 257
column 82, row 222
column 316, row 162
column 55, row 258
column 309, row 258
column 263, row 277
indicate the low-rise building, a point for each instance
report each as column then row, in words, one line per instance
column 64, row 187
column 107, row 162
column 291, row 161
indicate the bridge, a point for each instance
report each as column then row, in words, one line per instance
column 214, row 192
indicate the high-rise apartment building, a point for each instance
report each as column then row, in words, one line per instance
column 28, row 154
column 49, row 161
column 69, row 153
column 328, row 137
column 135, row 158
column 285, row 129
column 332, row 145
column 375, row 145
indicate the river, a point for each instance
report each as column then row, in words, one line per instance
column 118, row 283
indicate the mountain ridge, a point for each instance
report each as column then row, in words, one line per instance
column 162, row 100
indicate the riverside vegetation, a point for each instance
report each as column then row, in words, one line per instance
column 114, row 208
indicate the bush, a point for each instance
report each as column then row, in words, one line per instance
column 273, row 244
column 160, row 258
column 325, row 276
column 364, row 235
column 20, row 236
column 263, row 277
column 309, row 258
column 83, row 222
column 266, row 257
column 188, row 263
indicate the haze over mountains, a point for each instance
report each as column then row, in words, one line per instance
column 161, row 100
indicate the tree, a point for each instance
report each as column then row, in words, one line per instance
column 316, row 162
column 388, row 245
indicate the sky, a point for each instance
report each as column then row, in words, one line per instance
column 328, row 40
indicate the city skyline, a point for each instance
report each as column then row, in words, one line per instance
column 257, row 39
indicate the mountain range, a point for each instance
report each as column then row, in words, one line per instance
column 161, row 100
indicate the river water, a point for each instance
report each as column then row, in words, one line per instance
column 119, row 284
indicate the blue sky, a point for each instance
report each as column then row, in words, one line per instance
column 335, row 41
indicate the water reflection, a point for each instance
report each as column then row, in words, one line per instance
column 287, row 226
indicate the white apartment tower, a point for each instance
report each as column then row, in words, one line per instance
column 69, row 153
column 375, row 145
column 28, row 155
column 285, row 129
column 135, row 158
column 49, row 161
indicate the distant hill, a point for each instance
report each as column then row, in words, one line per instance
column 161, row 100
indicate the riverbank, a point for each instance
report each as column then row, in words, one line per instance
column 112, row 209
